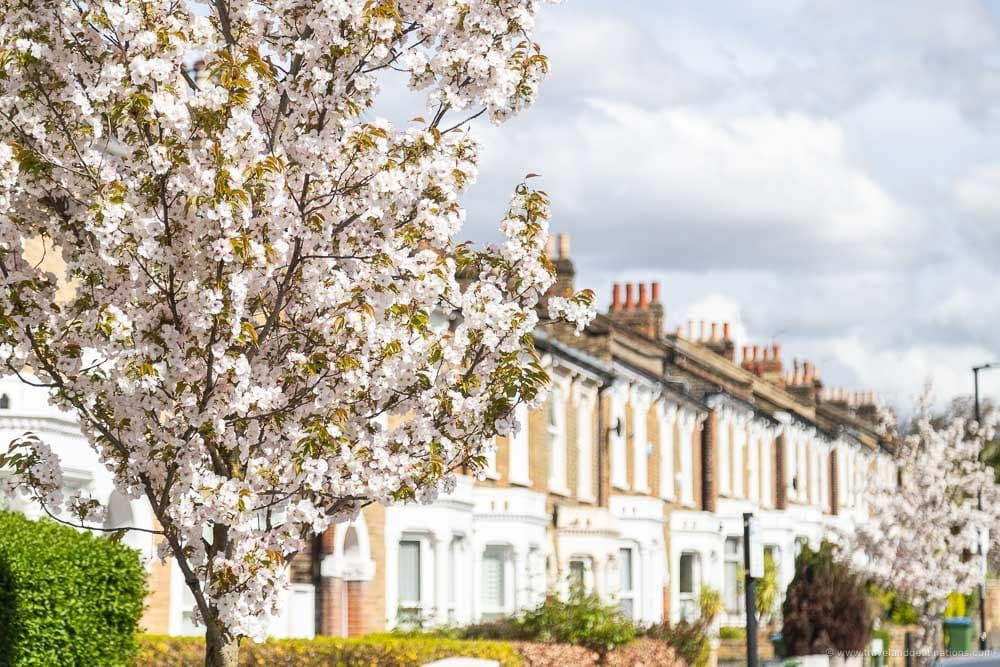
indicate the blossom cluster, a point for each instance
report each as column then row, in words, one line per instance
column 260, row 264
column 928, row 529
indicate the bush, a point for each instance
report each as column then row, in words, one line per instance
column 689, row 640
column 891, row 607
column 583, row 619
column 732, row 632
column 380, row 650
column 826, row 608
column 66, row 597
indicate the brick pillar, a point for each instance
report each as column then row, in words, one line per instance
column 834, row 483
column 780, row 484
column 356, row 625
column 709, row 475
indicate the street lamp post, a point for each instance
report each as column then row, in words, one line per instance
column 982, row 584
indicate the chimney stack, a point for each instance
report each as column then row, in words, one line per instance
column 638, row 312
column 563, row 246
column 564, row 285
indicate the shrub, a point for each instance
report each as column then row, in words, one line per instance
column 66, row 597
column 891, row 607
column 709, row 603
column 380, row 650
column 732, row 632
column 582, row 619
column 689, row 640
column 825, row 608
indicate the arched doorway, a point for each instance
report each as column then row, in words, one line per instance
column 346, row 571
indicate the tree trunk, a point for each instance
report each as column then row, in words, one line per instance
column 220, row 650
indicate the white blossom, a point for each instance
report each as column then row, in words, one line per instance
column 255, row 259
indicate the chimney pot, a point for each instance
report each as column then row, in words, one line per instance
column 726, row 331
column 643, row 300
column 746, row 353
column 690, row 330
column 629, row 297
column 616, row 297
column 767, row 353
column 777, row 351
column 715, row 331
column 680, row 331
column 564, row 246
column 807, row 374
column 756, row 352
column 655, row 289
column 550, row 247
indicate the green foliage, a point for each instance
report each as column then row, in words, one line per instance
column 380, row 650
column 66, row 597
column 733, row 632
column 689, row 640
column 710, row 603
column 826, row 607
column 891, row 607
column 766, row 587
column 583, row 619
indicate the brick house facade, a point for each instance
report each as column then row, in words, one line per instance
column 631, row 480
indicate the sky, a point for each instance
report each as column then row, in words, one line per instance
column 823, row 173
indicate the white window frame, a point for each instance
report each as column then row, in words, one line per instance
column 640, row 441
column 688, row 607
column 491, row 471
column 668, row 421
column 519, row 467
column 555, row 423
column 739, row 448
column 421, row 605
column 630, row 596
column 686, row 428
column 619, row 467
column 507, row 589
column 585, row 445
column 724, row 446
column 731, row 562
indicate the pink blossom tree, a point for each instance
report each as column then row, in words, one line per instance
column 261, row 269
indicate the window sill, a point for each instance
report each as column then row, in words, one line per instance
column 586, row 498
column 560, row 491
column 620, row 486
column 520, row 482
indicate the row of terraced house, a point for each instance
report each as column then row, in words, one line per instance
column 631, row 480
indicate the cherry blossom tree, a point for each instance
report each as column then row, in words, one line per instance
column 922, row 539
column 263, row 271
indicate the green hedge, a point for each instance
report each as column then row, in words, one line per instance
column 380, row 650
column 66, row 597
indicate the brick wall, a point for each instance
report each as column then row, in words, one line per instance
column 156, row 615
column 374, row 591
column 709, row 463
column 780, row 483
